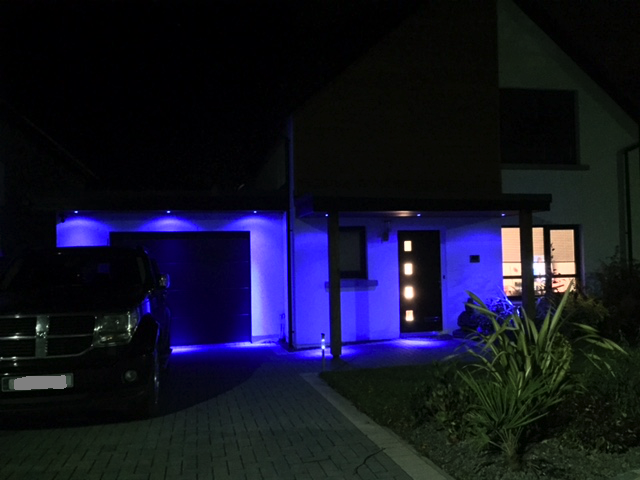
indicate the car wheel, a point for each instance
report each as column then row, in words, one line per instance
column 148, row 405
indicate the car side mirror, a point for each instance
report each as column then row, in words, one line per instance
column 164, row 281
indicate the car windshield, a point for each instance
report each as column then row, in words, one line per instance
column 105, row 269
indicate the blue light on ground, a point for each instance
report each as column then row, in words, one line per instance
column 187, row 349
column 349, row 351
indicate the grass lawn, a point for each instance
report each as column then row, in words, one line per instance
column 384, row 394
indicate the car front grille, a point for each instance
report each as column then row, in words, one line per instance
column 22, row 326
column 17, row 348
column 45, row 336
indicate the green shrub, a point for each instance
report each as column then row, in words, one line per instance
column 617, row 284
column 604, row 415
column 586, row 311
column 525, row 371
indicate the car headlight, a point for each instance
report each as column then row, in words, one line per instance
column 115, row 329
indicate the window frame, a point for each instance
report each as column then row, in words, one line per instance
column 537, row 132
column 546, row 235
column 360, row 246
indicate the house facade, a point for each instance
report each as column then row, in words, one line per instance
column 595, row 181
column 390, row 197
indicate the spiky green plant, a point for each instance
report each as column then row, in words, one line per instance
column 524, row 370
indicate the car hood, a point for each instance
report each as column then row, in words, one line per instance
column 70, row 300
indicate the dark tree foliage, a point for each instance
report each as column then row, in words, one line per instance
column 617, row 285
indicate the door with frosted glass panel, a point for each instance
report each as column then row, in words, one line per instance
column 420, row 281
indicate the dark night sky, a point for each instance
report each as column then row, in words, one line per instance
column 603, row 36
column 148, row 84
column 131, row 88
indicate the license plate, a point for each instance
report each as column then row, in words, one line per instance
column 37, row 382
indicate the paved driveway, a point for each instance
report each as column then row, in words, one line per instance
column 236, row 412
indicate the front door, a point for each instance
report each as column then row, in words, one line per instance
column 420, row 281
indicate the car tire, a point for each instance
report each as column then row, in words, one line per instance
column 148, row 405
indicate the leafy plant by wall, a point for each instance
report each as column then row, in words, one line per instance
column 603, row 417
column 522, row 372
column 617, row 285
column 587, row 311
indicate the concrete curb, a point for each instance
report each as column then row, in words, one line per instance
column 415, row 465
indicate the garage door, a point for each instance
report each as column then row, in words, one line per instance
column 210, row 294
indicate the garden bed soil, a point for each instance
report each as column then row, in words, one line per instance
column 548, row 459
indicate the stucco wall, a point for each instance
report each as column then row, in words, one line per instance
column 372, row 313
column 407, row 117
column 529, row 59
column 267, row 244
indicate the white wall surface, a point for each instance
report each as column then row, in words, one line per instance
column 529, row 59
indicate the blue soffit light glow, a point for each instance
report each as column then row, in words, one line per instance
column 167, row 223
column 78, row 230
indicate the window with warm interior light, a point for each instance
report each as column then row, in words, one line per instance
column 555, row 259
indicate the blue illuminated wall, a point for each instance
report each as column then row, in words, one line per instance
column 268, row 250
column 310, row 300
column 372, row 312
column 368, row 312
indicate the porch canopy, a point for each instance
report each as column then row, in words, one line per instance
column 497, row 206
column 501, row 205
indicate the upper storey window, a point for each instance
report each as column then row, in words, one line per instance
column 538, row 127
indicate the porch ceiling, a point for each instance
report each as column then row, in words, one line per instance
column 498, row 206
column 161, row 201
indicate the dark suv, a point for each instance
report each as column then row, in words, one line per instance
column 83, row 326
